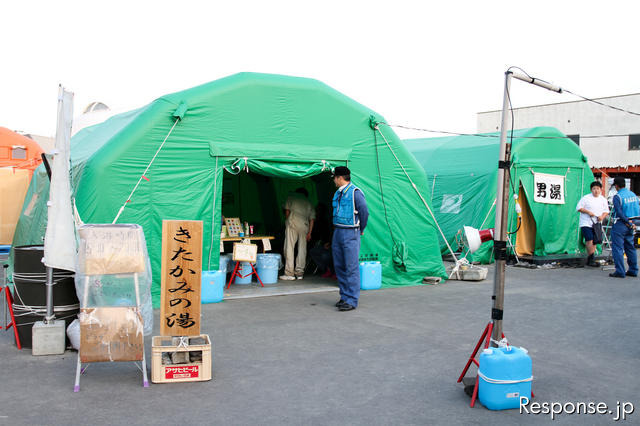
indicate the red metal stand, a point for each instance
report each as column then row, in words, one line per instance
column 235, row 273
column 472, row 359
column 486, row 337
column 9, row 300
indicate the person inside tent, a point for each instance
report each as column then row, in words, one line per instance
column 593, row 209
column 300, row 216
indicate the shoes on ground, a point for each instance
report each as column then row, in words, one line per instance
column 340, row 303
column 299, row 277
column 287, row 278
column 629, row 274
column 346, row 307
column 614, row 275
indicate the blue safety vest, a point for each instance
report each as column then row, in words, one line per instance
column 629, row 201
column 345, row 214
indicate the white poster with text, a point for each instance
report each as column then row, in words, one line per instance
column 548, row 189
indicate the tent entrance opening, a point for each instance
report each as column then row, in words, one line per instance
column 260, row 201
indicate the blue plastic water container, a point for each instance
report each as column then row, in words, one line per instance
column 5, row 248
column 370, row 275
column 267, row 267
column 212, row 286
column 226, row 263
column 505, row 377
column 244, row 269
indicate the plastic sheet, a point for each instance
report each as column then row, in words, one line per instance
column 73, row 333
column 114, row 271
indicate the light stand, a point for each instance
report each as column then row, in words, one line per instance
column 493, row 331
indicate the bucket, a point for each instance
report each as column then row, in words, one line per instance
column 245, row 270
column 212, row 286
column 505, row 376
column 370, row 275
column 268, row 266
column 29, row 292
column 226, row 264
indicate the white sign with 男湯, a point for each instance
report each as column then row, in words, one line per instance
column 548, row 189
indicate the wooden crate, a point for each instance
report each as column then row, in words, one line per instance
column 174, row 373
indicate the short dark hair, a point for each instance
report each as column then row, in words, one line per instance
column 619, row 181
column 596, row 183
column 303, row 192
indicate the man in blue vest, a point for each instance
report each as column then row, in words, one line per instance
column 625, row 209
column 350, row 215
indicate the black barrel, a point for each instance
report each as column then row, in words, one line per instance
column 30, row 293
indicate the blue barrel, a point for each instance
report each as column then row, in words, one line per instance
column 226, row 263
column 212, row 289
column 268, row 266
column 505, row 376
column 370, row 275
column 244, row 269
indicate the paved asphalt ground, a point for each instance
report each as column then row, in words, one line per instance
column 395, row 360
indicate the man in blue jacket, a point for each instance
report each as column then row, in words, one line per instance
column 350, row 215
column 625, row 208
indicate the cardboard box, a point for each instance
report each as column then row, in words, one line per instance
column 111, row 334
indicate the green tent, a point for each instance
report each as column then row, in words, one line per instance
column 238, row 146
column 462, row 175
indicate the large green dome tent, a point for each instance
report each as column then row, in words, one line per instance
column 252, row 137
column 462, row 175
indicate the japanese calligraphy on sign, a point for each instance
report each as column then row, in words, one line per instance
column 548, row 189
column 181, row 271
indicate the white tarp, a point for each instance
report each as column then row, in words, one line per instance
column 60, row 240
column 548, row 189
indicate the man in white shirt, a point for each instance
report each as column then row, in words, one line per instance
column 593, row 208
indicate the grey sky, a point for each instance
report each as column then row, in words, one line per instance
column 425, row 64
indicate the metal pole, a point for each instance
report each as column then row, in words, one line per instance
column 502, row 202
column 50, row 317
column 502, row 211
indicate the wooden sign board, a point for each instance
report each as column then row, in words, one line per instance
column 234, row 227
column 111, row 334
column 180, row 281
column 245, row 252
column 112, row 249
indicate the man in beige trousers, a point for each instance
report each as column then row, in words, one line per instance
column 300, row 216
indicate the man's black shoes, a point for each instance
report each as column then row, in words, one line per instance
column 629, row 274
column 614, row 275
column 346, row 307
column 340, row 303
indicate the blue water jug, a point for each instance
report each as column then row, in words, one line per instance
column 505, row 376
column 267, row 267
column 370, row 275
column 245, row 271
column 212, row 289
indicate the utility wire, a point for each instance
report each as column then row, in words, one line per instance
column 484, row 135
column 578, row 95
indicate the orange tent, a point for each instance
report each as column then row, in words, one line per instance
column 19, row 151
column 19, row 157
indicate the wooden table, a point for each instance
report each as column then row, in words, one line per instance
column 250, row 238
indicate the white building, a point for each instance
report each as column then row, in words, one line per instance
column 617, row 155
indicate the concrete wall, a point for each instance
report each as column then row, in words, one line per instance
column 583, row 118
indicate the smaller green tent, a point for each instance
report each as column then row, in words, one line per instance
column 462, row 173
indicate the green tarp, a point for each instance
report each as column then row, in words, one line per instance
column 462, row 174
column 256, row 136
